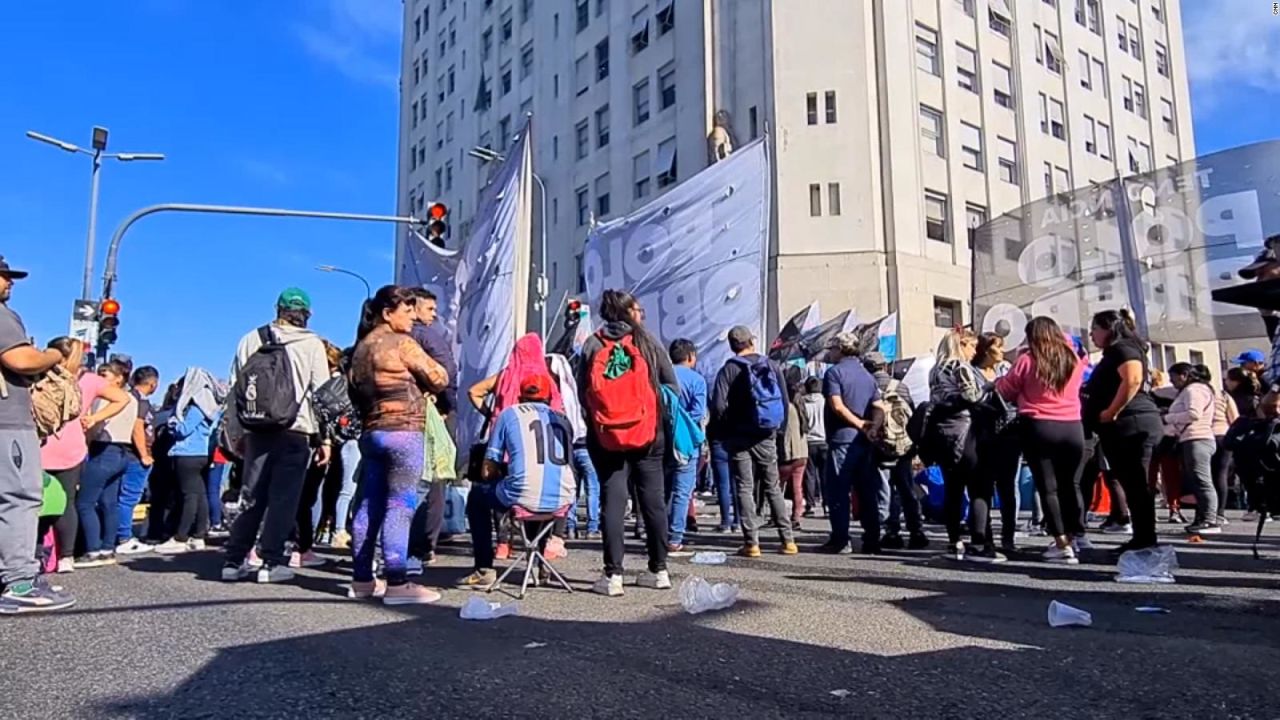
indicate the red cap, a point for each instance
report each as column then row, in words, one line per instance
column 536, row 388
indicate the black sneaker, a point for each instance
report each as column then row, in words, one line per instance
column 832, row 548
column 1204, row 528
column 893, row 542
column 1131, row 545
column 872, row 548
column 33, row 596
column 985, row 556
column 918, row 541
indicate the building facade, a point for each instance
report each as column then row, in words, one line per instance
column 895, row 126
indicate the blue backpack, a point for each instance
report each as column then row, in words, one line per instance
column 687, row 437
column 766, row 391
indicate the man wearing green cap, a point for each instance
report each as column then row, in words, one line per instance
column 275, row 459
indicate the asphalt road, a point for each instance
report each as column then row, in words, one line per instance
column 907, row 635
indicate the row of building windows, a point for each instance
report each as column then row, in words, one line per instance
column 968, row 78
column 815, row 199
column 937, row 218
column 644, row 175
column 972, row 147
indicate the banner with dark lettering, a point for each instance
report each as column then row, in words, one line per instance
column 694, row 257
column 1158, row 242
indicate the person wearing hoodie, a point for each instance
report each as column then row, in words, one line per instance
column 195, row 416
column 815, row 420
column 624, row 327
column 1190, row 420
column 275, row 463
column 753, row 449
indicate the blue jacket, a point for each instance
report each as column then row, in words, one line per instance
column 191, row 433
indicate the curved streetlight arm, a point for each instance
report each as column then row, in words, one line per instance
column 109, row 275
column 368, row 289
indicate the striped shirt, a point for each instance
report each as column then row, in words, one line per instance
column 536, row 443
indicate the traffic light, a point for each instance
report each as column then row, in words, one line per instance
column 437, row 227
column 108, row 322
column 574, row 311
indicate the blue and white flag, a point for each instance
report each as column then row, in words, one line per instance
column 429, row 266
column 695, row 257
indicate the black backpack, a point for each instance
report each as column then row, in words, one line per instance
column 265, row 396
column 1255, row 446
column 337, row 413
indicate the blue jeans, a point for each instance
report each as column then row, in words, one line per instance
column 98, row 502
column 350, row 455
column 586, row 473
column 131, row 487
column 724, row 485
column 683, row 478
column 215, row 479
column 848, row 465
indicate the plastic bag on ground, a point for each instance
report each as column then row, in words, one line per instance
column 1148, row 566
column 699, row 596
column 478, row 609
column 709, row 558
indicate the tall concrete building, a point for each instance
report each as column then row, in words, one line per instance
column 896, row 126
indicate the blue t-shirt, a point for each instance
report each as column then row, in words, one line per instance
column 536, row 442
column 851, row 382
column 693, row 392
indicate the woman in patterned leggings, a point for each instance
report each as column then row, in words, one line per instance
column 389, row 375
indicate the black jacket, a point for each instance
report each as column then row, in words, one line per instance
column 732, row 408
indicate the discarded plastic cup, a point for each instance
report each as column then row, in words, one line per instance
column 478, row 609
column 698, row 595
column 1064, row 615
column 709, row 558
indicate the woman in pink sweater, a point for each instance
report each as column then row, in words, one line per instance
column 1045, row 384
column 1190, row 420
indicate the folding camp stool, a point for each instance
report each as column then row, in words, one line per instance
column 532, row 554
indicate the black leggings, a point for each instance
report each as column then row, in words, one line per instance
column 1055, row 454
column 999, row 464
column 617, row 470
column 195, row 497
column 958, row 476
column 1128, row 452
column 68, row 524
column 1221, row 465
column 305, row 530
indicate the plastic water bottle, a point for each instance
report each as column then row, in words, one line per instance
column 709, row 558
column 478, row 609
column 699, row 596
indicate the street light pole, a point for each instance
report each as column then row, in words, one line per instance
column 86, row 289
column 368, row 289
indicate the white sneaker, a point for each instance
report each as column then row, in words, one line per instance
column 956, row 552
column 66, row 565
column 134, row 547
column 195, row 545
column 1081, row 542
column 236, row 574
column 413, row 567
column 172, row 547
column 611, row 586
column 660, row 580
column 1061, row 556
column 1111, row 528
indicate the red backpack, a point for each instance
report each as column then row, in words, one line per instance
column 623, row 405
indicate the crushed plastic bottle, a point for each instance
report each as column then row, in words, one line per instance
column 709, row 558
column 699, row 596
column 1153, row 565
column 478, row 609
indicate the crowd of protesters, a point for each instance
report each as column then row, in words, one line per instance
column 307, row 444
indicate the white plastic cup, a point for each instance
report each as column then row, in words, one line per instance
column 1063, row 615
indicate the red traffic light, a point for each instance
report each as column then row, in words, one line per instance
column 437, row 211
column 110, row 307
column 575, row 306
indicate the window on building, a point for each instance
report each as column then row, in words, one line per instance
column 526, row 61
column 602, row 126
column 667, row 86
column 1039, row 32
column 1052, row 53
column 974, row 217
column 815, row 200
column 555, row 147
column 601, row 6
column 971, row 147
column 507, row 29
column 526, row 11
column 935, row 217
column 966, row 6
column 932, row 137
column 666, row 16
column 1002, row 83
column 444, row 47
column 1100, row 77
column 1080, row 12
column 811, row 108
column 753, row 122
column 1086, row 71
column 603, row 207
column 505, row 78
column 947, row 313
column 504, row 133
column 1128, row 93
column 417, row 73
column 453, row 33
column 583, row 196
column 581, row 75
column 829, row 106
column 1166, row 116
column 667, row 166
column 1135, row 41
column 448, row 175
column 927, row 50
column 1061, row 180
column 1048, row 179
column 448, row 127
column 640, row 30
column 452, row 79
column 1093, row 11
column 439, row 134
column 1122, row 34
column 640, row 175
column 1051, row 3
column 1157, row 10
column 439, row 182
column 1162, row 60
column 582, row 139
column 640, row 102
column 414, row 111
column 967, row 68
column 583, row 13
column 1090, row 135
column 1104, row 141
column 417, row 35
column 1148, row 158
column 1195, row 357
column 486, row 44
column 602, row 59
column 1057, row 119
column 1044, row 113
column 1008, row 160
column 1135, row 165
column 1140, row 100
column 413, row 164
column 833, row 199
column 1000, row 21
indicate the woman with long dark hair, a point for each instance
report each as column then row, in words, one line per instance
column 1119, row 408
column 629, row 348
column 389, row 375
column 1001, row 459
column 1045, row 383
column 1190, row 421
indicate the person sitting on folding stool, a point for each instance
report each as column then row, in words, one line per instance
column 528, row 464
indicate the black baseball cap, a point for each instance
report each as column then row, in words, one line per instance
column 6, row 271
column 1269, row 256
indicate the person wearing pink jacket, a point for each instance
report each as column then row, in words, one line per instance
column 1190, row 420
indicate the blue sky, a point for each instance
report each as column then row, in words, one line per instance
column 294, row 104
